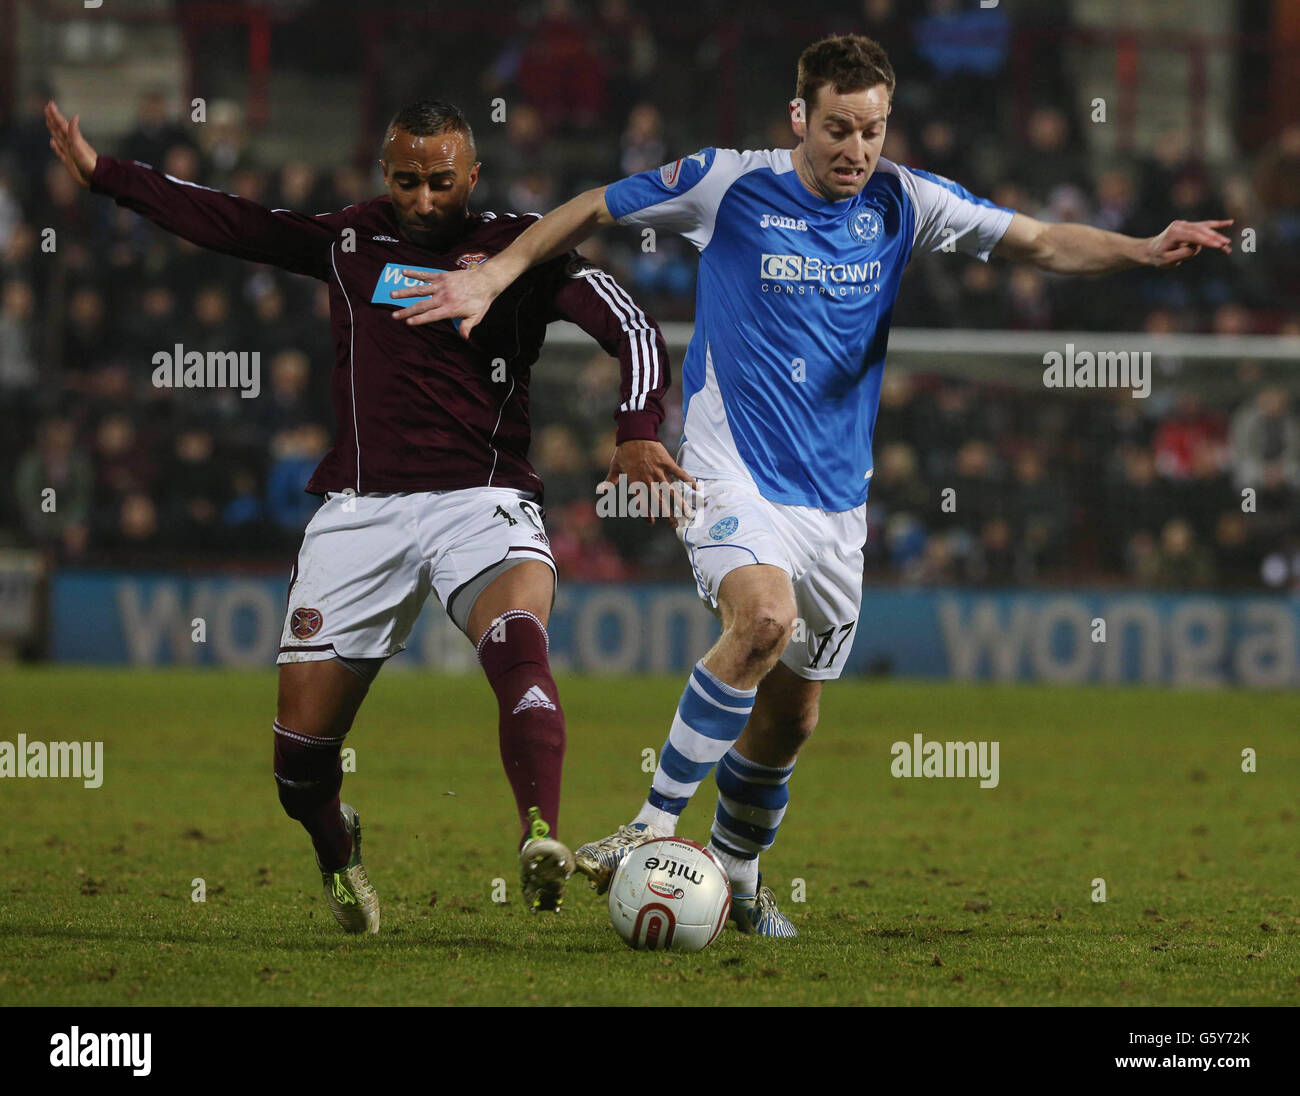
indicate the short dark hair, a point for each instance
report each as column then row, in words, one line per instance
column 426, row 117
column 848, row 62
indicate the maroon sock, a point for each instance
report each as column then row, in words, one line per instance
column 513, row 655
column 309, row 774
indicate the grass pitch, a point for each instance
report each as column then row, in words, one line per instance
column 915, row 891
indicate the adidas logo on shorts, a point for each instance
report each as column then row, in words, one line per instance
column 534, row 698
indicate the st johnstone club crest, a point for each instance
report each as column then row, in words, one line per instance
column 723, row 528
column 866, row 227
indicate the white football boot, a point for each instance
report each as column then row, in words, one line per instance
column 352, row 899
column 598, row 860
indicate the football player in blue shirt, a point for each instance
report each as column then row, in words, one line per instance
column 801, row 252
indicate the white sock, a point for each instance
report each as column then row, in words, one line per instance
column 662, row 822
column 743, row 874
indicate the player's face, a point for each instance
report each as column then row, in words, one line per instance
column 430, row 180
column 842, row 140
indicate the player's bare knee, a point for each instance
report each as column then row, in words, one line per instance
column 765, row 633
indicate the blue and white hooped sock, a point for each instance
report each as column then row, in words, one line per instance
column 710, row 717
column 751, row 803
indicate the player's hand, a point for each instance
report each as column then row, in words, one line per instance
column 1184, row 239
column 449, row 294
column 648, row 462
column 69, row 145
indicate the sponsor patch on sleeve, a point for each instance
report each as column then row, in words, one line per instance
column 670, row 173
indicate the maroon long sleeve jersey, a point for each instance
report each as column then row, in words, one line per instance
column 418, row 408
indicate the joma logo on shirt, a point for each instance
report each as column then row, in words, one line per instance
column 776, row 220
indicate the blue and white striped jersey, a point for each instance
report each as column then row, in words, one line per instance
column 781, row 381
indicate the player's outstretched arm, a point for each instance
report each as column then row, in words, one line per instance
column 70, row 146
column 210, row 218
column 1082, row 249
column 468, row 294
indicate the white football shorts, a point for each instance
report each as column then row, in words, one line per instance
column 368, row 562
column 733, row 526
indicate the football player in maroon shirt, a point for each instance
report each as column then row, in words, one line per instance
column 428, row 485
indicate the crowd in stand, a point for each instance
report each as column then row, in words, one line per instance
column 1047, row 489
